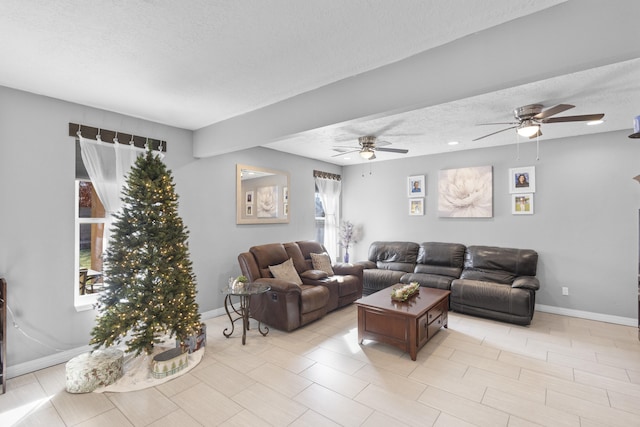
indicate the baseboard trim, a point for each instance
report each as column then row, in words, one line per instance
column 607, row 318
column 66, row 355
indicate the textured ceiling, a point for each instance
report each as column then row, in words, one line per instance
column 197, row 63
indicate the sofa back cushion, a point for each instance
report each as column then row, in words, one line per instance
column 400, row 256
column 501, row 265
column 269, row 254
column 306, row 248
column 443, row 259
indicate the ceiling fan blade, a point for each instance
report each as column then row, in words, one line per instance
column 342, row 153
column 382, row 143
column 498, row 123
column 393, row 150
column 582, row 118
column 553, row 111
column 512, row 127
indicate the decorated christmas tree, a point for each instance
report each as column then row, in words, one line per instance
column 150, row 287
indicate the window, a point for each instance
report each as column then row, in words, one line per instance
column 90, row 222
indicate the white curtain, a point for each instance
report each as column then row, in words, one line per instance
column 108, row 165
column 329, row 191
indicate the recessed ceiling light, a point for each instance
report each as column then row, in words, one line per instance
column 595, row 122
column 453, row 142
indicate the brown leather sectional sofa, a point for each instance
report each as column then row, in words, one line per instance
column 487, row 281
column 288, row 305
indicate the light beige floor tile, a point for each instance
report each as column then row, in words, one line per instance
column 313, row 419
column 464, row 409
column 390, row 381
column 446, row 420
column 482, row 378
column 536, row 365
column 53, row 379
column 178, row 384
column 491, row 365
column 585, row 392
column 43, row 416
column 24, row 399
column 224, row 378
column 378, row 419
column 76, row 408
column 206, row 405
column 273, row 407
column 445, row 380
column 13, row 383
column 634, row 376
column 279, row 379
column 622, row 359
column 624, row 402
column 588, row 410
column 530, row 411
column 519, row 422
column 436, row 363
column 176, row 418
column 334, row 406
column 588, row 378
column 406, row 411
column 286, row 359
column 588, row 366
column 346, row 364
column 480, row 350
column 107, row 419
column 245, row 418
column 335, row 380
column 142, row 407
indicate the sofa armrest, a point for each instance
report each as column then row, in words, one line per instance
column 344, row 269
column 526, row 282
column 367, row 264
column 279, row 285
column 313, row 275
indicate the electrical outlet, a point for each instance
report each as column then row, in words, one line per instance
column 565, row 290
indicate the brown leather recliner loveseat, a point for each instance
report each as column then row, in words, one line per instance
column 288, row 305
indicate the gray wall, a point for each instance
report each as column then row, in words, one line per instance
column 585, row 225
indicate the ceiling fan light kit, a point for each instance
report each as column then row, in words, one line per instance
column 528, row 129
column 368, row 148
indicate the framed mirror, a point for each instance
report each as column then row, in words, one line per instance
column 262, row 195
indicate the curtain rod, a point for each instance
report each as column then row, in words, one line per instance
column 327, row 175
column 106, row 135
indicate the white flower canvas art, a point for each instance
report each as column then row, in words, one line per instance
column 466, row 192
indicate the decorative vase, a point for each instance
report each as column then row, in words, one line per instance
column 346, row 256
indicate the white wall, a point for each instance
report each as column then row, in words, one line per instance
column 585, row 226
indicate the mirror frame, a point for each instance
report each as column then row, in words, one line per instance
column 241, row 203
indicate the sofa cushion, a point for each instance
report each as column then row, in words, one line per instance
column 492, row 297
column 395, row 252
column 518, row 262
column 441, row 254
column 286, row 271
column 322, row 262
column 269, row 254
column 313, row 275
column 313, row 298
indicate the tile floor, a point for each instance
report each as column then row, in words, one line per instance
column 560, row 371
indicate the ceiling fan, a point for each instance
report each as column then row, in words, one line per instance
column 530, row 118
column 369, row 144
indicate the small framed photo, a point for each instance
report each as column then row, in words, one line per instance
column 522, row 180
column 249, row 210
column 415, row 186
column 522, row 204
column 249, row 197
column 416, row 206
column 285, row 194
column 286, row 208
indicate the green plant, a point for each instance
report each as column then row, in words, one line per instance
column 242, row 279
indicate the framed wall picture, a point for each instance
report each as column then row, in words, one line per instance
column 249, row 210
column 415, row 187
column 522, row 180
column 248, row 197
column 416, row 206
column 522, row 204
column 466, row 192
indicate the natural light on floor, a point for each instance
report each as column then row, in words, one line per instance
column 11, row 417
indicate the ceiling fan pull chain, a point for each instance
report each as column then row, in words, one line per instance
column 538, row 147
column 517, row 146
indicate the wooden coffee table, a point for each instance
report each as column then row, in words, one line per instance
column 407, row 325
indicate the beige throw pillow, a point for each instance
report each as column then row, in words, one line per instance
column 286, row 271
column 322, row 262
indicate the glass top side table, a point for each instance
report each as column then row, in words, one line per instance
column 243, row 311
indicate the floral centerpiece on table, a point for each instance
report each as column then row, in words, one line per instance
column 402, row 293
column 347, row 237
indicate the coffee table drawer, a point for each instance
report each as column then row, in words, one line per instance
column 434, row 313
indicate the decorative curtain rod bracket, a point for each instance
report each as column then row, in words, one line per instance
column 326, row 175
column 110, row 135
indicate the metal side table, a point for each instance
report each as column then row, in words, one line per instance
column 243, row 311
